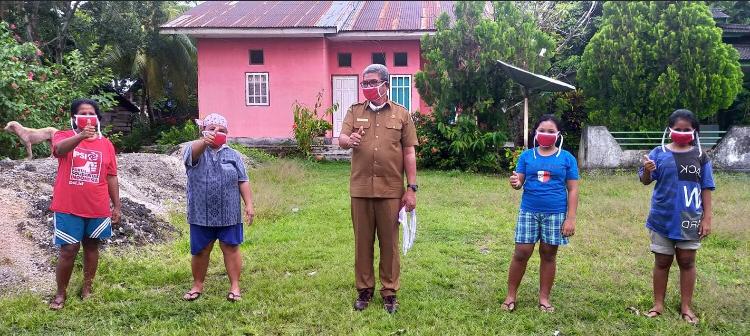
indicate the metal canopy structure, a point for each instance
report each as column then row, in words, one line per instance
column 531, row 83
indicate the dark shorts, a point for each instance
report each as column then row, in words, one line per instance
column 202, row 236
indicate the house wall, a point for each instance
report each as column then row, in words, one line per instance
column 362, row 57
column 298, row 68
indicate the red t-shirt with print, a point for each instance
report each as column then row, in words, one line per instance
column 81, row 184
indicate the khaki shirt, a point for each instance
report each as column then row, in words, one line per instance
column 378, row 161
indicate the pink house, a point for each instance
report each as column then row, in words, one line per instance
column 255, row 59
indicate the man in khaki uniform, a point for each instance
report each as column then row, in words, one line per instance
column 382, row 136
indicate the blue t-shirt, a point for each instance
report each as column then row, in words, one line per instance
column 545, row 183
column 676, row 208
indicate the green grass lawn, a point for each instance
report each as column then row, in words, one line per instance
column 298, row 271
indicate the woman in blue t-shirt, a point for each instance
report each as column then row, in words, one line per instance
column 680, row 213
column 548, row 208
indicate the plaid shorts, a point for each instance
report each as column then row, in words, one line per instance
column 533, row 225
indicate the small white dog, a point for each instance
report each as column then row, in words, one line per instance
column 30, row 136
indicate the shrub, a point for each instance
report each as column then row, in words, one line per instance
column 179, row 134
column 308, row 124
column 38, row 94
column 458, row 145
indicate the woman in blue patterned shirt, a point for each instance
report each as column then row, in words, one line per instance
column 216, row 181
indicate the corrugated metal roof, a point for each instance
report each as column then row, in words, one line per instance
column 734, row 27
column 744, row 50
column 252, row 14
column 718, row 14
column 345, row 15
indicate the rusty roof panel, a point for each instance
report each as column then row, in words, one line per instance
column 345, row 15
column 252, row 14
column 400, row 15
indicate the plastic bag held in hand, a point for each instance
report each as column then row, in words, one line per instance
column 409, row 224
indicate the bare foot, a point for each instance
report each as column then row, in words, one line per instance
column 58, row 302
column 85, row 293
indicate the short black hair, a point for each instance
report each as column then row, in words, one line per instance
column 686, row 115
column 76, row 104
column 543, row 118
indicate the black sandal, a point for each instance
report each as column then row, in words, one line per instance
column 692, row 319
column 192, row 296
column 231, row 297
column 546, row 309
column 509, row 307
column 57, row 303
column 656, row 312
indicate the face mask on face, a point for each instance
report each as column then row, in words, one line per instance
column 220, row 138
column 681, row 138
column 79, row 122
column 548, row 140
column 372, row 93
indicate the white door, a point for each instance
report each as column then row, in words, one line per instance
column 345, row 95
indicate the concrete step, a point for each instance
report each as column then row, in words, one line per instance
column 332, row 152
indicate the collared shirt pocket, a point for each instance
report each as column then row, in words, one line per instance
column 393, row 130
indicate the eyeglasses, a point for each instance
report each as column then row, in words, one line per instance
column 371, row 83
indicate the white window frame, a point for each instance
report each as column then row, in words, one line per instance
column 257, row 97
column 411, row 85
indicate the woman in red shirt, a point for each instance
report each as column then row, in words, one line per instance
column 86, row 182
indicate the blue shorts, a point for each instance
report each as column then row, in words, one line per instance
column 532, row 226
column 202, row 236
column 71, row 229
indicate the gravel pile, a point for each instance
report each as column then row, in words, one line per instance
column 151, row 186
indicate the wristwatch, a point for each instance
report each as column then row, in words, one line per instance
column 413, row 187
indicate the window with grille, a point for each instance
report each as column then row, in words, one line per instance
column 401, row 90
column 256, row 88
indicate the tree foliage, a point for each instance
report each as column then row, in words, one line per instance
column 160, row 70
column 461, row 80
column 39, row 94
column 650, row 58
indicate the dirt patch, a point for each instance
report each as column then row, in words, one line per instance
column 22, row 263
column 151, row 186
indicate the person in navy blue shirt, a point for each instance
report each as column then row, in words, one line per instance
column 549, row 178
column 680, row 213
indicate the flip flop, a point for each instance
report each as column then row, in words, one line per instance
column 231, row 297
column 191, row 296
column 57, row 303
column 509, row 307
column 655, row 312
column 692, row 319
column 546, row 309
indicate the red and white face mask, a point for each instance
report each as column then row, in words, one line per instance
column 547, row 140
column 220, row 138
column 681, row 138
column 372, row 93
column 79, row 122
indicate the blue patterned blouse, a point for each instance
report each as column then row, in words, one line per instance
column 213, row 193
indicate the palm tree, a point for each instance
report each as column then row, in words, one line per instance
column 160, row 65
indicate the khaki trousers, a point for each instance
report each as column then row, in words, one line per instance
column 371, row 216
